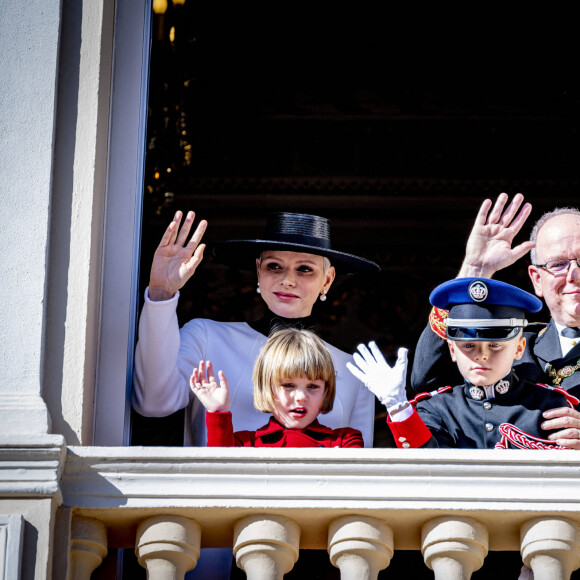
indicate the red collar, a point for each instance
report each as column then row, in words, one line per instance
column 274, row 427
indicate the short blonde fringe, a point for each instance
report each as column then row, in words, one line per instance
column 289, row 353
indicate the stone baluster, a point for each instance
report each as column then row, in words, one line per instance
column 360, row 547
column 454, row 547
column 551, row 547
column 168, row 546
column 88, row 547
column 266, row 546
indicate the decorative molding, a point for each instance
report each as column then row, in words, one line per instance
column 218, row 486
column 11, row 540
column 31, row 467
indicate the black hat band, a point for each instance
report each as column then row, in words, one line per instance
column 303, row 240
column 303, row 226
column 482, row 334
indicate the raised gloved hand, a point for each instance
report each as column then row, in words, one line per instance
column 386, row 382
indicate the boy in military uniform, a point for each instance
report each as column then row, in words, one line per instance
column 493, row 408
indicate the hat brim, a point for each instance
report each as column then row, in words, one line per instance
column 482, row 334
column 242, row 254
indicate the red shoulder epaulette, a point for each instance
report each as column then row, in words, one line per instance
column 572, row 400
column 426, row 395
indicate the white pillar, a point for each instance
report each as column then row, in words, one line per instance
column 454, row 547
column 88, row 547
column 360, row 547
column 168, row 546
column 266, row 546
column 551, row 547
column 27, row 121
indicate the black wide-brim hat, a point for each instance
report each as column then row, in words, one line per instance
column 292, row 232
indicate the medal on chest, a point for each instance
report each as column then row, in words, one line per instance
column 558, row 376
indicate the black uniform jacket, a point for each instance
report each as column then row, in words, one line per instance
column 433, row 367
column 464, row 417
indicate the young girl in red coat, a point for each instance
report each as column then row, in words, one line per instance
column 294, row 379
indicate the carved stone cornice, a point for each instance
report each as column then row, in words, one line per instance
column 31, row 467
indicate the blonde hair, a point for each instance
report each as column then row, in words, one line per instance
column 288, row 353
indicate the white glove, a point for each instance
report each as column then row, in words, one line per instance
column 387, row 383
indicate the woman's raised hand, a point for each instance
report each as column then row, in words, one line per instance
column 213, row 396
column 176, row 259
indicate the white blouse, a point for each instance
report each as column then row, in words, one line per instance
column 166, row 355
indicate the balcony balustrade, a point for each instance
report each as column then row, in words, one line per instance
column 361, row 505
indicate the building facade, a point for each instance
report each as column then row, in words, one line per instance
column 72, row 491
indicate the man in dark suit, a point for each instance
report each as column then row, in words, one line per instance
column 553, row 352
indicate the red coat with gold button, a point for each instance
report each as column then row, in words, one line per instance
column 220, row 433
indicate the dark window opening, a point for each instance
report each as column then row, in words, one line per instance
column 394, row 130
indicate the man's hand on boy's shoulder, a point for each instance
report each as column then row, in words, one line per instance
column 567, row 421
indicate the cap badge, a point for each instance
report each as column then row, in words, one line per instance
column 478, row 291
column 502, row 387
column 476, row 393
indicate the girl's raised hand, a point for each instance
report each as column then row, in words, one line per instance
column 213, row 396
column 176, row 258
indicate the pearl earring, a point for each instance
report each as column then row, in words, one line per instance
column 258, row 289
column 323, row 296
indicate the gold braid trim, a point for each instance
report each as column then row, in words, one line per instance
column 437, row 318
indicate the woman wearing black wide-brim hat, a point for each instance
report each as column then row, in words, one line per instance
column 295, row 265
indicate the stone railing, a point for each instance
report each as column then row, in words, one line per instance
column 360, row 505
